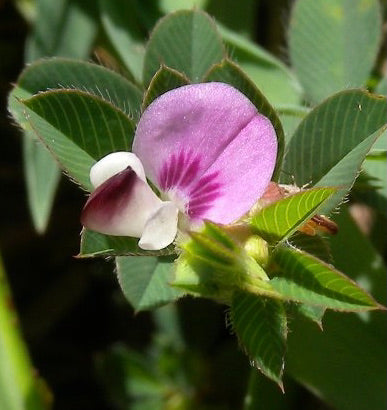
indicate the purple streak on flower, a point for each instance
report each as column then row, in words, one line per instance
column 203, row 194
column 207, row 149
column 179, row 174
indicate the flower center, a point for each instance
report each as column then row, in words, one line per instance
column 179, row 180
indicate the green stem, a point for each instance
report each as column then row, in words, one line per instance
column 18, row 384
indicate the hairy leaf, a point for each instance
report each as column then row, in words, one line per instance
column 304, row 278
column 261, row 328
column 186, row 41
column 95, row 244
column 277, row 221
column 145, row 281
column 78, row 129
column 164, row 80
column 333, row 140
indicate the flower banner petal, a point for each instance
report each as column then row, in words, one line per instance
column 189, row 127
column 243, row 171
column 120, row 206
column 198, row 142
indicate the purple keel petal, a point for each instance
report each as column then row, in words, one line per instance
column 240, row 175
column 186, row 129
column 120, row 206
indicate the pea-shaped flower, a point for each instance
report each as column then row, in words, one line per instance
column 205, row 148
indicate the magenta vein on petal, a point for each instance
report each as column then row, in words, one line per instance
column 179, row 179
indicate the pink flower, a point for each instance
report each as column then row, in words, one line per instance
column 207, row 150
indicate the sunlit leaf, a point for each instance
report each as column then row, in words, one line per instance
column 304, row 278
column 277, row 221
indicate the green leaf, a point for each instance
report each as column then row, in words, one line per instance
column 326, row 51
column 145, row 281
column 351, row 352
column 78, row 129
column 276, row 82
column 19, row 386
column 241, row 19
column 95, row 244
column 291, row 116
column 366, row 265
column 215, row 266
column 382, row 86
column 321, row 154
column 376, row 167
column 65, row 28
column 304, row 278
column 346, row 354
column 380, row 145
column 229, row 73
column 42, row 176
column 315, row 245
column 189, row 278
column 186, row 41
column 261, row 328
column 277, row 221
column 310, row 312
column 64, row 73
column 120, row 19
column 41, row 171
column 210, row 266
column 164, row 80
column 168, row 6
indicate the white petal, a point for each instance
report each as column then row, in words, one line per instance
column 114, row 163
column 161, row 229
column 122, row 205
